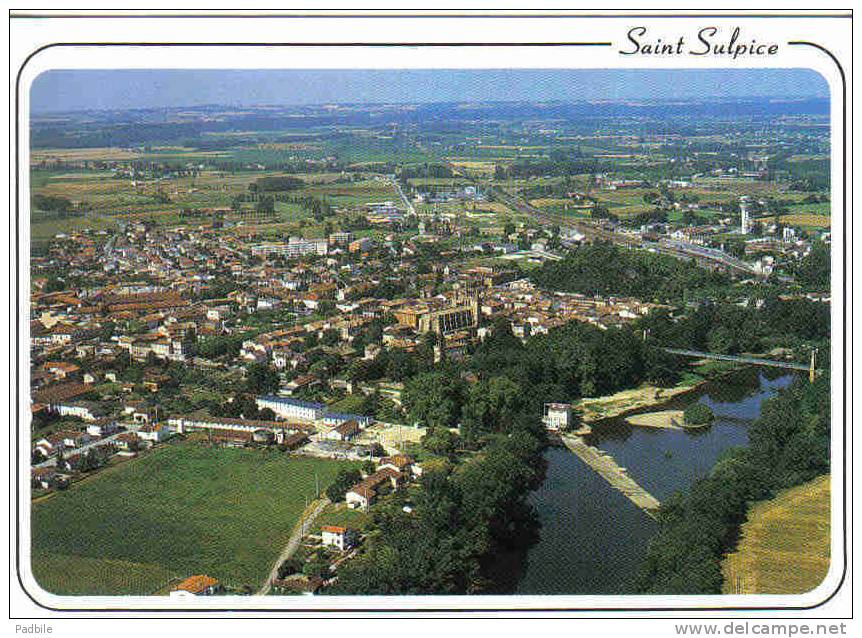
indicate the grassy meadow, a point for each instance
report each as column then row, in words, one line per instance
column 182, row 509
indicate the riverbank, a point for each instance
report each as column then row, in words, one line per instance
column 669, row 419
column 625, row 403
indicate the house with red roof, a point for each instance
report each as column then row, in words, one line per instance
column 198, row 585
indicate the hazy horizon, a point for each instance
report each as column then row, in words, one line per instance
column 126, row 89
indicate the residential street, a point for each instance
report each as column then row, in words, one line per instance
column 292, row 545
column 51, row 462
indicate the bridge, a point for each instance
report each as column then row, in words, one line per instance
column 757, row 361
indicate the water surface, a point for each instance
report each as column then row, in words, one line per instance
column 592, row 537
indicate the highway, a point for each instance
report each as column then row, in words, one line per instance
column 410, row 209
column 711, row 256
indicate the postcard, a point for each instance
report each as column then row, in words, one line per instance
column 434, row 312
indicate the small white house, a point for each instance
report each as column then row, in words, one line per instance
column 85, row 410
column 102, row 427
column 360, row 497
column 155, row 432
column 558, row 416
column 339, row 537
column 75, row 439
column 343, row 432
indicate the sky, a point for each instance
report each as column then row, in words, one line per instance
column 73, row 90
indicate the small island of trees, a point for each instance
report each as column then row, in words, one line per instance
column 697, row 415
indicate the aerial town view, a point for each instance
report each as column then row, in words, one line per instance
column 332, row 344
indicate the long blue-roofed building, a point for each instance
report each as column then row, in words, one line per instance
column 288, row 408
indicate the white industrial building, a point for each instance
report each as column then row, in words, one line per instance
column 295, row 247
column 291, row 408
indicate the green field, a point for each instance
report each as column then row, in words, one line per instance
column 83, row 576
column 44, row 230
column 340, row 515
column 183, row 509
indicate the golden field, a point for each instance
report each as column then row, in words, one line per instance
column 784, row 545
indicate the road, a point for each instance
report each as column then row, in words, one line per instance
column 590, row 229
column 51, row 462
column 410, row 209
column 292, row 545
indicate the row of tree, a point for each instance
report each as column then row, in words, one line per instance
column 604, row 269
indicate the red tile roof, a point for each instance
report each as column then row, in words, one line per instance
column 333, row 529
column 197, row 584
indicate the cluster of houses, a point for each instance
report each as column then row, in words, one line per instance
column 392, row 472
column 78, row 338
column 58, row 456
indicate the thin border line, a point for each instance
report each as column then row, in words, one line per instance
column 508, row 16
column 400, row 610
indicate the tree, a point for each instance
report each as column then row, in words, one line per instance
column 493, row 405
column 651, row 197
column 441, row 441
column 261, row 378
column 310, row 340
column 265, row 205
column 330, row 337
column 326, row 308
column 288, row 567
column 360, row 370
column 604, row 269
column 316, row 568
column 813, row 271
column 698, row 414
column 54, row 284
column 274, row 183
column 344, row 480
column 400, row 364
column 660, row 368
column 720, row 340
column 434, row 399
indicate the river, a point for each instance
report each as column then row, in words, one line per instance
column 593, row 538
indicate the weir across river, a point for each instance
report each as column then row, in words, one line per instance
column 605, row 466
